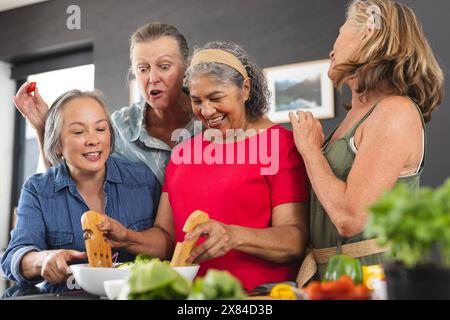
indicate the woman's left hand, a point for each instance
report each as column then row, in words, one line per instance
column 308, row 132
column 220, row 240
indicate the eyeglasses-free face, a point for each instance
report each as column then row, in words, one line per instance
column 219, row 105
column 159, row 70
column 85, row 136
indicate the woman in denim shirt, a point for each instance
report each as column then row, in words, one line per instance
column 78, row 142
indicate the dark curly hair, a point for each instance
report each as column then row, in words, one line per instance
column 257, row 104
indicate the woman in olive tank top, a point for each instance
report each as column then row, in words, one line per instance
column 382, row 54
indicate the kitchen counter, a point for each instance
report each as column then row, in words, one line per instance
column 10, row 290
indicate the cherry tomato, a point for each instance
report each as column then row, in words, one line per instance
column 31, row 87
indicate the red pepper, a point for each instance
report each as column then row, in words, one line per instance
column 31, row 87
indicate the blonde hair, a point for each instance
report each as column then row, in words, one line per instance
column 396, row 53
column 156, row 30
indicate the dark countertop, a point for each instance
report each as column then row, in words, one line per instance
column 12, row 291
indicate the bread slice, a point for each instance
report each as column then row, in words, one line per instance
column 98, row 249
column 183, row 249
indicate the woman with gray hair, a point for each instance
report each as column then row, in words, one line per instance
column 78, row 142
column 259, row 240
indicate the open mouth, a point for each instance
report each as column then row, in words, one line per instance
column 93, row 156
column 155, row 93
column 215, row 122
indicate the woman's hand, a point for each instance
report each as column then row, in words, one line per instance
column 31, row 106
column 114, row 232
column 221, row 238
column 54, row 266
column 308, row 132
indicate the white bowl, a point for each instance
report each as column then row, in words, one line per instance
column 114, row 287
column 91, row 279
column 189, row 272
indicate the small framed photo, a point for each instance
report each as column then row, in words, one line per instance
column 304, row 86
column 135, row 94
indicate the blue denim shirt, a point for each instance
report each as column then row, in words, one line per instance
column 50, row 210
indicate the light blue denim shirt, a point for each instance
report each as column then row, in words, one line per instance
column 50, row 210
column 135, row 144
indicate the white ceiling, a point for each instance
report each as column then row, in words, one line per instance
column 12, row 4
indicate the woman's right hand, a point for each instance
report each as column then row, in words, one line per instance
column 115, row 232
column 55, row 268
column 307, row 131
column 31, row 106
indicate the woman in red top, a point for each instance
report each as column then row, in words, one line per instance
column 243, row 170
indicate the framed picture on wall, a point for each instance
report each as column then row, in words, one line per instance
column 135, row 94
column 304, row 86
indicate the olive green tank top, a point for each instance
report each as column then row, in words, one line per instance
column 340, row 156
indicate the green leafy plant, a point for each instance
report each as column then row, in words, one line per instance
column 443, row 198
column 413, row 223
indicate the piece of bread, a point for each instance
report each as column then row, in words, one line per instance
column 97, row 248
column 183, row 249
column 195, row 218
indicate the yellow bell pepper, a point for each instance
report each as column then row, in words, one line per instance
column 372, row 275
column 282, row 291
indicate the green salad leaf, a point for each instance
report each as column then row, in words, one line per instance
column 156, row 280
column 139, row 259
column 151, row 278
column 217, row 285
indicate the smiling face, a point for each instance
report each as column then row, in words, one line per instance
column 347, row 44
column 85, row 136
column 159, row 70
column 219, row 105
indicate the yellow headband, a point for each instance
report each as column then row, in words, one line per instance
column 220, row 56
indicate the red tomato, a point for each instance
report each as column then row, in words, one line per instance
column 361, row 292
column 31, row 87
column 346, row 284
column 313, row 291
column 341, row 289
column 331, row 287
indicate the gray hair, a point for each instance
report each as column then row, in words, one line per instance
column 257, row 104
column 53, row 122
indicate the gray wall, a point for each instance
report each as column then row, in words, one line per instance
column 434, row 17
column 274, row 32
